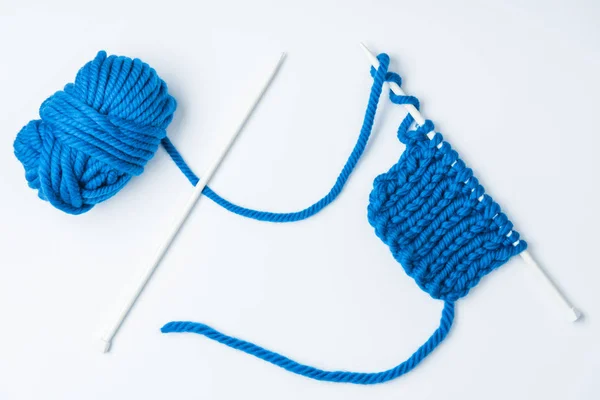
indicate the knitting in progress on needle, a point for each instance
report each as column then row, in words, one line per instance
column 428, row 208
column 437, row 220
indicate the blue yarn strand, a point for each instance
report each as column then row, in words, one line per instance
column 432, row 213
column 429, row 208
column 379, row 77
column 364, row 378
column 361, row 378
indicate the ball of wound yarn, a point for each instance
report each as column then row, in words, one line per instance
column 96, row 134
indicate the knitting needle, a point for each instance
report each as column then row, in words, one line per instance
column 108, row 337
column 573, row 313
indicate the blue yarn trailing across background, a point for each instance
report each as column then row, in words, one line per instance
column 357, row 152
column 100, row 131
column 439, row 224
column 363, row 378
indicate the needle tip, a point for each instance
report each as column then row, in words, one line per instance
column 370, row 55
column 575, row 314
column 107, row 344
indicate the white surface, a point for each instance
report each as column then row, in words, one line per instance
column 325, row 291
column 191, row 203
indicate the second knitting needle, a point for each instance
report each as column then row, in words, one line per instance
column 572, row 313
column 108, row 337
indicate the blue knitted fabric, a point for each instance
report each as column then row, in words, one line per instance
column 435, row 217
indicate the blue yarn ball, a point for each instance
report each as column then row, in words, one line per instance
column 96, row 133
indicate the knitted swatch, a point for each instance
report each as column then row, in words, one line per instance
column 437, row 220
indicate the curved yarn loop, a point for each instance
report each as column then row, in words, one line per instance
column 379, row 77
column 362, row 378
column 101, row 130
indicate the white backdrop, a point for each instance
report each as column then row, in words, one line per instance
column 512, row 85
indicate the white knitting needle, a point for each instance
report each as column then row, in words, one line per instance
column 573, row 313
column 108, row 337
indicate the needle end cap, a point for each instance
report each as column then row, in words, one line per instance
column 106, row 344
column 575, row 314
